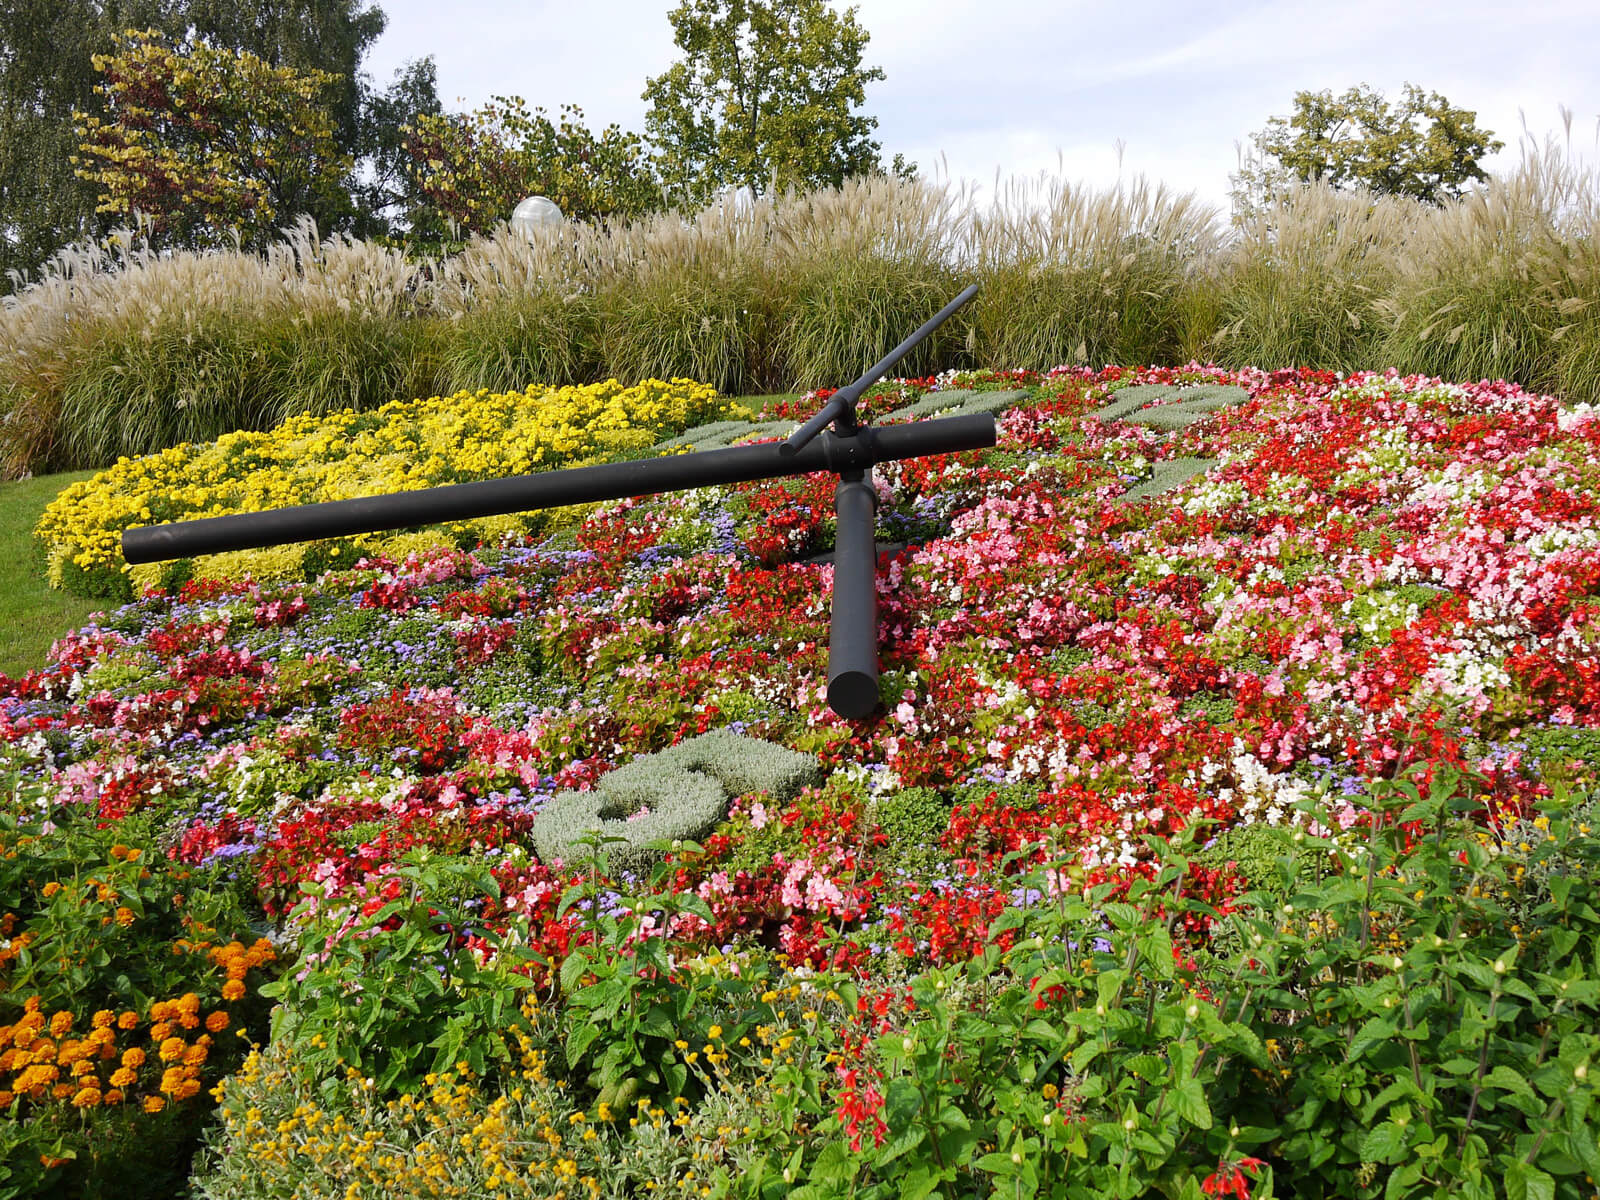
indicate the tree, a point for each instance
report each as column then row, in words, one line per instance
column 332, row 36
column 1422, row 147
column 764, row 95
column 389, row 198
column 211, row 143
column 45, row 76
column 472, row 168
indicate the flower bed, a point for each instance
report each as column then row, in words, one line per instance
column 1223, row 832
column 307, row 459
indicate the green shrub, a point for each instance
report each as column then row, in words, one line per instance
column 1378, row 1031
column 399, row 1002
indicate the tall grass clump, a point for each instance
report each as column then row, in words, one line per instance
column 1570, row 288
column 691, row 296
column 121, row 350
column 1076, row 276
column 514, row 310
column 1573, row 293
column 862, row 266
column 1306, row 276
column 1472, row 295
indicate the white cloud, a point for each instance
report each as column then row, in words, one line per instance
column 1015, row 83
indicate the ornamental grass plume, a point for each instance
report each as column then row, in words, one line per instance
column 1477, row 288
column 117, row 349
column 1074, row 275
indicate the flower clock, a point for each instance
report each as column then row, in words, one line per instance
column 1222, row 824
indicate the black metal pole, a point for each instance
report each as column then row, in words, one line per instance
column 843, row 402
column 551, row 489
column 853, row 648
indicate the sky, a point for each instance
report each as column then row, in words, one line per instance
column 977, row 90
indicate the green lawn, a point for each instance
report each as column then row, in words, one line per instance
column 31, row 615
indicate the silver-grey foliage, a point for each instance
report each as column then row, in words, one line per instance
column 680, row 793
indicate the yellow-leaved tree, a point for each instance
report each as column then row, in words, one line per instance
column 211, row 144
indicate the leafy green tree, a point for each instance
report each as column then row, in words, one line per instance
column 332, row 36
column 389, row 198
column 45, row 76
column 764, row 95
column 1421, row 147
column 210, row 143
column 472, row 168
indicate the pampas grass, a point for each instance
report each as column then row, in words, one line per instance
column 119, row 350
column 1075, row 276
column 1471, row 298
column 1304, row 279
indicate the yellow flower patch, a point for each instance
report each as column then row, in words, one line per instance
column 402, row 446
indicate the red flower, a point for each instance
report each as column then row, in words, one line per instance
column 1230, row 1177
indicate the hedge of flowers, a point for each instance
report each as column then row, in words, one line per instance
column 1235, row 839
column 401, row 446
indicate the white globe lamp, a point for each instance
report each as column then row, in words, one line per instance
column 533, row 214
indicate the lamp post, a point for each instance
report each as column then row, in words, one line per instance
column 533, row 214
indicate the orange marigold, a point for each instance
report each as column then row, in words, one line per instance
column 233, row 990
column 172, row 1049
column 87, row 1098
column 133, row 1058
column 124, row 1077
column 217, row 1021
column 60, row 1024
column 103, row 1019
column 154, row 1104
column 127, row 1020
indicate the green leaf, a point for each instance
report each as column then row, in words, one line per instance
column 573, row 971
column 578, row 1039
column 1384, row 1143
column 1504, row 1078
column 1189, row 1102
column 901, row 1103
column 1528, row 1183
column 1373, row 1032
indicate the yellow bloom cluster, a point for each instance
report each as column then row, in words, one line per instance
column 403, row 445
column 451, row 1139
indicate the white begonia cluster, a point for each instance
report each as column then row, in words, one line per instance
column 1037, row 760
column 1548, row 543
column 1570, row 418
column 1455, row 485
column 861, row 779
column 1214, row 495
column 1261, row 795
column 1465, row 674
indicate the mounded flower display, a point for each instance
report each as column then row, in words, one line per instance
column 1228, row 827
